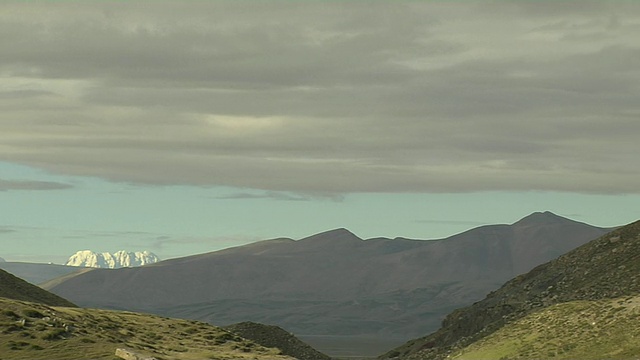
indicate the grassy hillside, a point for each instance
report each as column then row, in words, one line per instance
column 574, row 330
column 36, row 331
column 15, row 288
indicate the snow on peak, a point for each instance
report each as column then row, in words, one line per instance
column 119, row 259
column 2, row 260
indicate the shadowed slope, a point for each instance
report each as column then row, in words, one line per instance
column 15, row 288
column 276, row 337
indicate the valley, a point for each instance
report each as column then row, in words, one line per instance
column 335, row 283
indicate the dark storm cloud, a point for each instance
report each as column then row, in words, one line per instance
column 326, row 97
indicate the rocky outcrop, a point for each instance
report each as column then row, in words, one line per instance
column 127, row 354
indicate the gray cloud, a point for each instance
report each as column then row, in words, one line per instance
column 166, row 243
column 282, row 196
column 6, row 230
column 326, row 97
column 272, row 195
column 450, row 222
column 7, row 185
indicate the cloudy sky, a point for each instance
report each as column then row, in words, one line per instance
column 185, row 127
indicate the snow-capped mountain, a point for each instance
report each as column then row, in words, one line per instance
column 2, row 260
column 88, row 258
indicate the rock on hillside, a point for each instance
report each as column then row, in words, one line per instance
column 606, row 268
column 276, row 337
column 119, row 259
column 12, row 287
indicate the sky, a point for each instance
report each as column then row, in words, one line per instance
column 189, row 127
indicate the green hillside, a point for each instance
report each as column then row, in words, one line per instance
column 574, row 330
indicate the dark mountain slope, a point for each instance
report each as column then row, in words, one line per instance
column 12, row 287
column 606, row 268
column 334, row 282
column 276, row 337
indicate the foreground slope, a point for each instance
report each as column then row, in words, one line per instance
column 13, row 287
column 604, row 269
column 596, row 329
column 334, row 282
column 36, row 331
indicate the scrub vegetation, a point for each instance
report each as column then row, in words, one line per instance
column 574, row 330
column 37, row 331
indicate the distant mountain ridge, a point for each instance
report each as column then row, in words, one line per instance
column 105, row 260
column 335, row 282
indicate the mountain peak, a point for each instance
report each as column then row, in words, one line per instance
column 340, row 235
column 88, row 258
column 540, row 218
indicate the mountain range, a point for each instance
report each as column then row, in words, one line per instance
column 335, row 283
column 119, row 259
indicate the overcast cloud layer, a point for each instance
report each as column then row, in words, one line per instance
column 326, row 97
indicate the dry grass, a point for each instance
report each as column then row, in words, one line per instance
column 36, row 331
column 574, row 330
